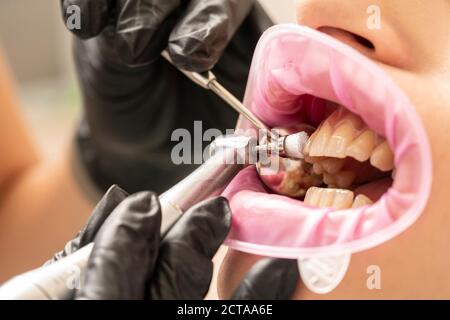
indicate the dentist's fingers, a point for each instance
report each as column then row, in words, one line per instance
column 135, row 30
column 125, row 250
column 196, row 31
column 143, row 28
column 269, row 279
column 113, row 197
column 93, row 16
column 204, row 31
column 102, row 210
column 184, row 267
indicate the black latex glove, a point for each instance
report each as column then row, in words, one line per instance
column 134, row 99
column 112, row 198
column 130, row 261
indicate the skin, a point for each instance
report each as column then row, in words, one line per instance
column 41, row 206
column 413, row 47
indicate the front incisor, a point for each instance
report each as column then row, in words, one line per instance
column 343, row 134
column 361, row 148
column 339, row 141
column 319, row 140
column 382, row 157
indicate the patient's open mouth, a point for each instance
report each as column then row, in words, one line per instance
column 347, row 164
column 363, row 131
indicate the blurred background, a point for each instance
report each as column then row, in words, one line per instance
column 37, row 46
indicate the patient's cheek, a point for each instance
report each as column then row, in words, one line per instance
column 232, row 270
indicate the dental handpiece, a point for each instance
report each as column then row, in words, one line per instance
column 289, row 146
column 229, row 155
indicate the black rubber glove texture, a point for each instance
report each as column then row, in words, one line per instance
column 102, row 210
column 134, row 100
column 129, row 259
column 125, row 250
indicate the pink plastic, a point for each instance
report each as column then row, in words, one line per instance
column 295, row 60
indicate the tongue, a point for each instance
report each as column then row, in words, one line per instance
column 316, row 109
column 374, row 190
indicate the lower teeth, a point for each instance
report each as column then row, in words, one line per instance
column 335, row 198
column 289, row 177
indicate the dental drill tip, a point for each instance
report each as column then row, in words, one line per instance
column 294, row 144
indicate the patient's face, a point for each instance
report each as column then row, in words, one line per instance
column 413, row 47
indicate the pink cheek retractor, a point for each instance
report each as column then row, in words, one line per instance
column 300, row 61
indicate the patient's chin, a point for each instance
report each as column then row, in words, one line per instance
column 232, row 270
column 234, row 267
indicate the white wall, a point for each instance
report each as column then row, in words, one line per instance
column 31, row 33
column 282, row 11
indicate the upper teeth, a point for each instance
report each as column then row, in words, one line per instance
column 339, row 151
column 382, row 157
column 344, row 134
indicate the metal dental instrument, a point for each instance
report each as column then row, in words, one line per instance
column 209, row 81
column 230, row 154
column 292, row 147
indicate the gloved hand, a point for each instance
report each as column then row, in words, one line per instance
column 134, row 99
column 130, row 261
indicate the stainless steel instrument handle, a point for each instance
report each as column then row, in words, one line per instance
column 209, row 81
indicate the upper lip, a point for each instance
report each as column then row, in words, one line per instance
column 318, row 65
